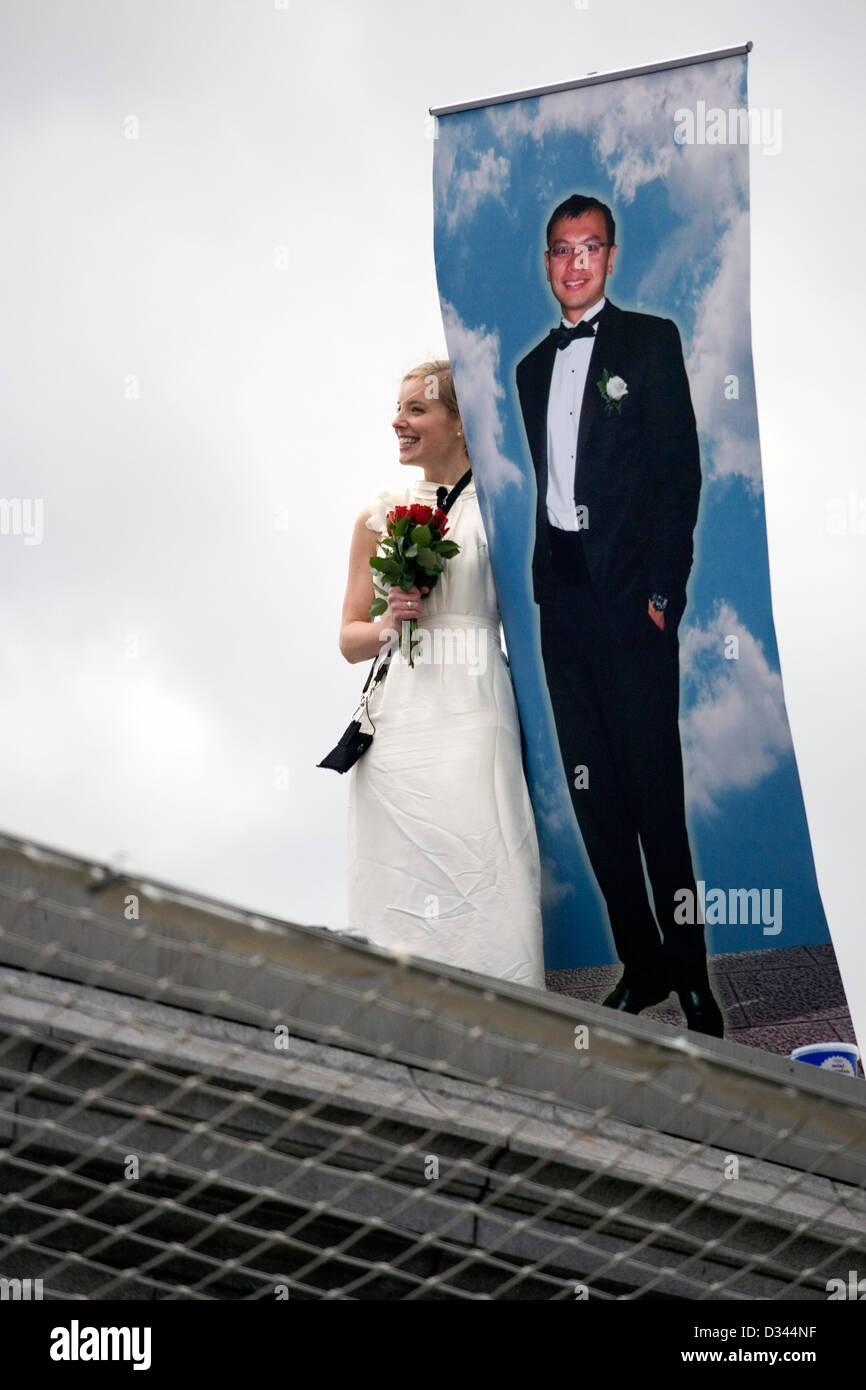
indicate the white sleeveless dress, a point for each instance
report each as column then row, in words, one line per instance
column 443, row 858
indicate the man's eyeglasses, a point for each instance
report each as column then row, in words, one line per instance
column 561, row 249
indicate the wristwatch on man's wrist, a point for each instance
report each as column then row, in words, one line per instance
column 659, row 603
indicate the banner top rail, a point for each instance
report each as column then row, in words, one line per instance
column 591, row 79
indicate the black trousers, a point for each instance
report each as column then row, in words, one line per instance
column 616, row 706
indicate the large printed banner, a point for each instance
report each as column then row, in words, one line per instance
column 668, row 509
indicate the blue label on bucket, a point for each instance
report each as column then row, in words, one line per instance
column 835, row 1056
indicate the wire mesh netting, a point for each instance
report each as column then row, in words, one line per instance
column 197, row 1102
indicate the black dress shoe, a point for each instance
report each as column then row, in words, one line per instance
column 703, row 1014
column 630, row 996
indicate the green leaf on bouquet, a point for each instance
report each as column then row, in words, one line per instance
column 421, row 535
column 377, row 607
column 447, row 549
column 386, row 566
column 399, row 527
column 411, row 551
column 429, row 560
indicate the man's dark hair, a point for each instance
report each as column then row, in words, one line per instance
column 576, row 206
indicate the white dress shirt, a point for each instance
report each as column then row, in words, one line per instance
column 567, row 385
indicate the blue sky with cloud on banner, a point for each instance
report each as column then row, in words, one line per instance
column 682, row 213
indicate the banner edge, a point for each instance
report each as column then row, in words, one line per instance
column 591, row 79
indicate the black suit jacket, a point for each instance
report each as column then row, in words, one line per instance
column 638, row 471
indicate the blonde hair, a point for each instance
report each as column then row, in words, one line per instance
column 440, row 370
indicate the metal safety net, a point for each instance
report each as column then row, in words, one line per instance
column 198, row 1102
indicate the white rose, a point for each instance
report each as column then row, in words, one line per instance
column 616, row 388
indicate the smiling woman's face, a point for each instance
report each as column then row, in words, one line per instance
column 578, row 280
column 426, row 430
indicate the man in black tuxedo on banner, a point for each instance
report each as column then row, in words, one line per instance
column 611, row 430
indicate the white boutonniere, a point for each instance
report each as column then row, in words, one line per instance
column 613, row 391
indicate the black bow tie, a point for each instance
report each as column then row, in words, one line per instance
column 564, row 336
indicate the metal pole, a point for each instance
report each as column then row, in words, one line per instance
column 591, row 79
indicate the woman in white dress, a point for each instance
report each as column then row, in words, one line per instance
column 442, row 852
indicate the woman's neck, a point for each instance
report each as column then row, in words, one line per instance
column 446, row 474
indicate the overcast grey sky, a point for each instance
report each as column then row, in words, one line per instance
column 217, row 246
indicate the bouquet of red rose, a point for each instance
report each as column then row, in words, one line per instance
column 413, row 552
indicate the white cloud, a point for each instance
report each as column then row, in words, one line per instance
column 721, row 347
column 736, row 732
column 554, row 815
column 632, row 124
column 471, row 186
column 474, row 355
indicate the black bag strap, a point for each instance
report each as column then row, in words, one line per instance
column 382, row 671
column 446, row 506
column 456, row 490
